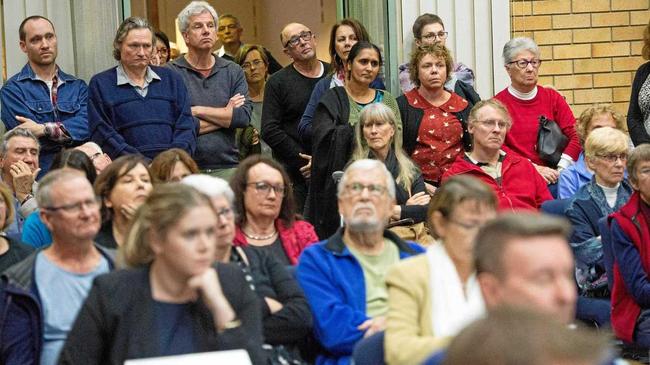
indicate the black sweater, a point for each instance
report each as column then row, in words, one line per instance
column 634, row 115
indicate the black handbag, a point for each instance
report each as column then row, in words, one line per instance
column 550, row 141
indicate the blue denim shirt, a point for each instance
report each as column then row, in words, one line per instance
column 28, row 96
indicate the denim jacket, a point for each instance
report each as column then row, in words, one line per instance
column 27, row 96
column 585, row 209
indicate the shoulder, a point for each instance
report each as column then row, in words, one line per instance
column 101, row 79
column 125, row 280
column 644, row 69
column 410, row 269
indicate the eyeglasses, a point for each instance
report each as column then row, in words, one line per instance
column 75, row 208
column 162, row 50
column 358, row 188
column 492, row 123
column 611, row 158
column 225, row 213
column 522, row 64
column 432, row 36
column 247, row 65
column 262, row 187
column 229, row 26
column 464, row 225
column 293, row 41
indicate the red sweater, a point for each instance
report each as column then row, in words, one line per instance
column 294, row 239
column 521, row 186
column 522, row 137
column 625, row 309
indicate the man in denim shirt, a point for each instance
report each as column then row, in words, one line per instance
column 41, row 97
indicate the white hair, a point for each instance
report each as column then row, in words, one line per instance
column 516, row 45
column 211, row 186
column 367, row 165
column 192, row 9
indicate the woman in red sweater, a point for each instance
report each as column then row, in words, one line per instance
column 526, row 102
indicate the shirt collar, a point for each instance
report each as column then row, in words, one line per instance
column 122, row 77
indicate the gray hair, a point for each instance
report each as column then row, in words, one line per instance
column 52, row 179
column 211, row 186
column 17, row 132
column 367, row 165
column 128, row 25
column 192, row 9
column 516, row 45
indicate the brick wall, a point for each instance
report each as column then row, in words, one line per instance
column 591, row 48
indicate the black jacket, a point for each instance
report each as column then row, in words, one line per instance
column 634, row 114
column 116, row 322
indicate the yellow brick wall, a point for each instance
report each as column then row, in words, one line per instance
column 590, row 48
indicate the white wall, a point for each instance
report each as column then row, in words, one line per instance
column 478, row 29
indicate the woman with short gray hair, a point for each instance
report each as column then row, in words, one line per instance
column 527, row 102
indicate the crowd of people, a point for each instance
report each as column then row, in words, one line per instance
column 217, row 200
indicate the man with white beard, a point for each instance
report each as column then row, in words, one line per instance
column 343, row 276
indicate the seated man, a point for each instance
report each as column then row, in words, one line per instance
column 513, row 178
column 19, row 168
column 135, row 108
column 630, row 227
column 41, row 97
column 41, row 295
column 343, row 276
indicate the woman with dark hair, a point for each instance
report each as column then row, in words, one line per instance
column 336, row 116
column 11, row 251
column 638, row 114
column 123, row 186
column 253, row 60
column 162, row 52
column 343, row 36
column 172, row 166
column 35, row 233
column 435, row 119
column 266, row 219
column 172, row 300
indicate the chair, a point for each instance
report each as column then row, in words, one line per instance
column 608, row 254
column 555, row 207
column 369, row 351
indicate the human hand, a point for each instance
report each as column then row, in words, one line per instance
column 421, row 198
column 430, row 188
column 372, row 326
column 128, row 210
column 208, row 286
column 236, row 101
column 306, row 170
column 274, row 305
column 22, row 178
column 25, row 123
column 549, row 174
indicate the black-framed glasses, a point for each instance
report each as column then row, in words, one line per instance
column 612, row 157
column 358, row 188
column 304, row 35
column 257, row 63
column 522, row 64
column 75, row 208
column 265, row 188
column 432, row 36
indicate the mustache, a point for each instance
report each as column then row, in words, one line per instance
column 361, row 206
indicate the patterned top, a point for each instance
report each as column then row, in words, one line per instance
column 644, row 103
column 440, row 135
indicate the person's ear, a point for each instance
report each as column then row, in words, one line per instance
column 439, row 224
column 23, row 46
column 490, row 288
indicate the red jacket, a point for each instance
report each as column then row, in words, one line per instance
column 625, row 310
column 521, row 187
column 294, row 239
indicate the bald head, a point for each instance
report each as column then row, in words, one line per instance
column 288, row 29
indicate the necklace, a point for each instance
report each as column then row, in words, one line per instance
column 259, row 238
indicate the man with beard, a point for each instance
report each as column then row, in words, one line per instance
column 343, row 276
column 42, row 98
column 514, row 179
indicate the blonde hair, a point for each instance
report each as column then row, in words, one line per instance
column 604, row 141
column 379, row 111
column 163, row 209
column 583, row 122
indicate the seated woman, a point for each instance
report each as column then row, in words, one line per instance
column 435, row 119
column 527, row 102
column 606, row 151
column 431, row 297
column 376, row 136
column 286, row 317
column 172, row 165
column 11, row 251
column 630, row 233
column 333, row 131
column 513, row 178
column 266, row 218
column 123, row 186
column 35, row 232
column 579, row 174
column 172, row 300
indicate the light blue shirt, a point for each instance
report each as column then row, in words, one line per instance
column 62, row 293
column 123, row 78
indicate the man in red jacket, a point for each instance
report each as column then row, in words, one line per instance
column 513, row 178
column 630, row 228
